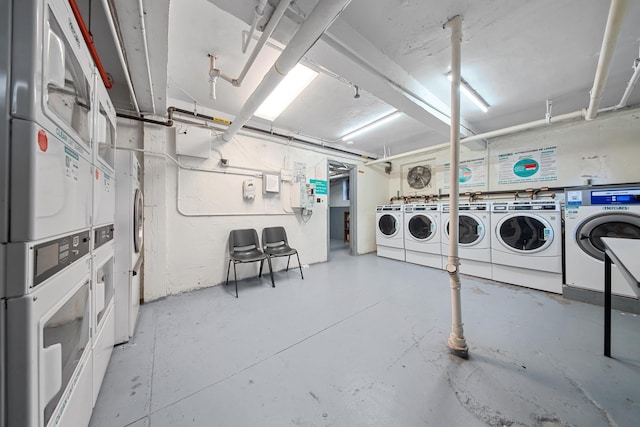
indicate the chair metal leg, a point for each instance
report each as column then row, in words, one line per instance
column 299, row 265
column 235, row 278
column 228, row 268
column 288, row 259
column 273, row 283
column 261, row 264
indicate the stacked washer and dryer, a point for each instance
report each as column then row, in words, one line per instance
column 57, row 134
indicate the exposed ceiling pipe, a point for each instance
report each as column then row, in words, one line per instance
column 457, row 343
column 123, row 62
column 146, row 55
column 491, row 134
column 617, row 12
column 320, row 18
column 630, row 86
column 89, row 42
column 268, row 30
column 258, row 13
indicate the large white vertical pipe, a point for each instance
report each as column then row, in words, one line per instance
column 320, row 18
column 617, row 12
column 457, row 343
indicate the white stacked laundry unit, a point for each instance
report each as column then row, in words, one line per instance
column 474, row 238
column 46, row 195
column 103, row 249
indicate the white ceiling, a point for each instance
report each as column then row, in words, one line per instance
column 516, row 53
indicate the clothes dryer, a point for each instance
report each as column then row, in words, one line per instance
column 128, row 243
column 49, row 367
column 590, row 214
column 527, row 247
column 474, row 238
column 103, row 314
column 422, row 240
column 104, row 188
column 390, row 231
column 48, row 177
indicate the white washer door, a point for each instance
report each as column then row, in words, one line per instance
column 470, row 231
column 524, row 233
column 138, row 210
column 388, row 225
column 422, row 227
column 622, row 225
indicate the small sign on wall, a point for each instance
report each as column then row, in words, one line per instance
column 540, row 164
column 321, row 186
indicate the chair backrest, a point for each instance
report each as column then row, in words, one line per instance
column 274, row 236
column 242, row 240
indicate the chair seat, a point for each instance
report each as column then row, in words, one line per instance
column 248, row 256
column 282, row 250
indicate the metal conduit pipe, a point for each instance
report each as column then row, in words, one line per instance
column 457, row 342
column 259, row 11
column 491, row 134
column 268, row 31
column 123, row 62
column 320, row 18
column 146, row 55
column 617, row 12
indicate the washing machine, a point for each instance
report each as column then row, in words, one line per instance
column 390, row 231
column 422, row 242
column 128, row 243
column 592, row 213
column 49, row 365
column 47, row 178
column 527, row 244
column 474, row 238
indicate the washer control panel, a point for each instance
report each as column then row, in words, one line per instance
column 55, row 255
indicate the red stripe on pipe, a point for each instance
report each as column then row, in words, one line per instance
column 89, row 42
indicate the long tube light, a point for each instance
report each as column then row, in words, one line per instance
column 286, row 92
column 375, row 124
column 471, row 94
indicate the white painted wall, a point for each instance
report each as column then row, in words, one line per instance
column 335, row 194
column 189, row 213
column 372, row 185
column 605, row 150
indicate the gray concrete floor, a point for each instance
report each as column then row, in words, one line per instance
column 361, row 341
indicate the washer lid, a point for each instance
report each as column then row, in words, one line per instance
column 470, row 230
column 621, row 225
column 388, row 225
column 422, row 227
column 525, row 233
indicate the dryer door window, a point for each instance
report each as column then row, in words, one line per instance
column 589, row 233
column 138, row 209
column 470, row 231
column 388, row 225
column 525, row 233
column 422, row 227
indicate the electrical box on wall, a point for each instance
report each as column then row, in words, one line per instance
column 193, row 141
column 302, row 195
column 248, row 189
column 270, row 183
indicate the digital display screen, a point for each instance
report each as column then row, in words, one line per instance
column 616, row 197
column 46, row 258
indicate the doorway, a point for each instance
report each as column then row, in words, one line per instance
column 341, row 219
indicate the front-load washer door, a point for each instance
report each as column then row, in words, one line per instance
column 138, row 210
column 524, row 233
column 422, row 227
column 621, row 225
column 470, row 231
column 388, row 225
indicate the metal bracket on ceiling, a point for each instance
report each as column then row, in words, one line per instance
column 547, row 116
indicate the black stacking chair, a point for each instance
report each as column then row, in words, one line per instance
column 244, row 247
column 275, row 244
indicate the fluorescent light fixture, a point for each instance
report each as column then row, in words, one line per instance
column 471, row 93
column 283, row 95
column 374, row 124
